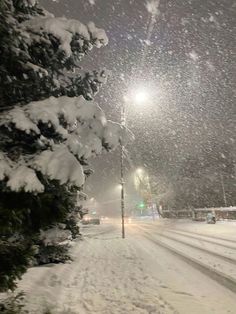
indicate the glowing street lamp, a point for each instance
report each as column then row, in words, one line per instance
column 118, row 187
column 139, row 171
column 141, row 97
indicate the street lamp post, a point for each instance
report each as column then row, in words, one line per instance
column 122, row 182
column 140, row 97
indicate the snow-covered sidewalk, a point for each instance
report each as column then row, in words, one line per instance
column 110, row 275
column 107, row 276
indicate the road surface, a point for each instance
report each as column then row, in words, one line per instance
column 161, row 267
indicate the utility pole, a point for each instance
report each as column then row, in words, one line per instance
column 122, row 182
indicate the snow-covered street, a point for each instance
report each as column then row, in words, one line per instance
column 139, row 274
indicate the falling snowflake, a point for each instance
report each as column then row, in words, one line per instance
column 152, row 6
column 193, row 55
column 210, row 65
column 147, row 42
column 91, row 2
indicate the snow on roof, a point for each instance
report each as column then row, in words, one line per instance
column 232, row 208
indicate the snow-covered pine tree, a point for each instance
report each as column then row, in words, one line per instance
column 48, row 130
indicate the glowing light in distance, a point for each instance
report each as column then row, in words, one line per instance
column 141, row 96
column 139, row 171
column 119, row 187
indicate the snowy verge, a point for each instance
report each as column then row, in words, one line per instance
column 106, row 276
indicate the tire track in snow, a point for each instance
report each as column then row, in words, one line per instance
column 205, row 238
column 205, row 235
column 185, row 287
column 166, row 235
column 221, row 278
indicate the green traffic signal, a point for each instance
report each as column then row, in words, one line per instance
column 141, row 205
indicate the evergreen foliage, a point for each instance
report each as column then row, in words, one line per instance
column 46, row 134
column 13, row 304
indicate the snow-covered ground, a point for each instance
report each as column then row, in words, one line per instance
column 110, row 275
column 220, row 229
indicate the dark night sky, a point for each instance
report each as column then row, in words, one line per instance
column 190, row 68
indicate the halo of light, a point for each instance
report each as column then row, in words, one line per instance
column 141, row 96
column 139, row 171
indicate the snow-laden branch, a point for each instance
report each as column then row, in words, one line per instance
column 64, row 30
column 68, row 131
column 59, row 164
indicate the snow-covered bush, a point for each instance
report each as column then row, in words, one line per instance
column 13, row 304
column 53, row 245
column 49, row 127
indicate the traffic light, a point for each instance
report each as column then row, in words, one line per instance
column 141, row 205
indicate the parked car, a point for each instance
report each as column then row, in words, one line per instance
column 128, row 220
column 90, row 220
column 211, row 218
column 95, row 221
